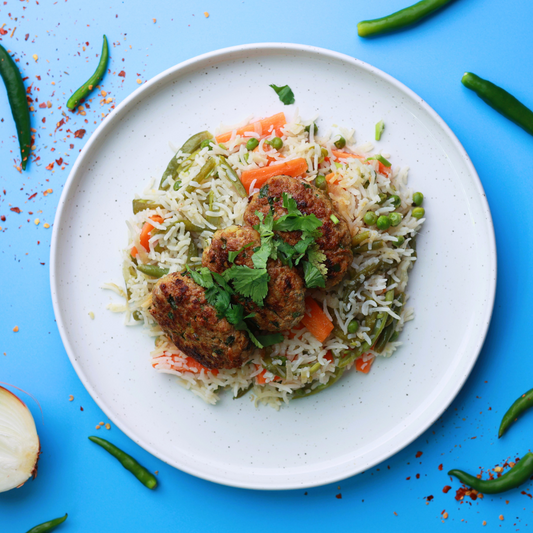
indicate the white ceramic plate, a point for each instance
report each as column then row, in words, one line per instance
column 364, row 419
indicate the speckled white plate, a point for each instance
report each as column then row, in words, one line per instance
column 364, row 419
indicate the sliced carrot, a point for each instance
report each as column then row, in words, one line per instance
column 145, row 235
column 261, row 126
column 330, row 176
column 266, row 150
column 329, row 357
column 194, row 364
column 382, row 169
column 316, row 321
column 260, row 378
column 294, row 168
column 362, row 365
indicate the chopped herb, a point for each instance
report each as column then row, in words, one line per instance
column 250, row 282
column 334, row 219
column 263, row 191
column 312, row 276
column 170, row 315
column 285, row 94
column 172, row 302
column 233, row 255
column 230, row 340
column 380, row 126
column 270, row 339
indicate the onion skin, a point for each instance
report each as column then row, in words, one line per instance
column 19, row 442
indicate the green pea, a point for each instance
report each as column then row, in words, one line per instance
column 418, row 212
column 340, row 143
column 370, row 218
column 395, row 219
column 177, row 185
column 395, row 200
column 315, row 128
column 382, row 198
column 418, row 198
column 353, row 326
column 400, row 239
column 206, row 143
column 252, row 143
column 276, row 143
column 383, row 223
column 321, row 183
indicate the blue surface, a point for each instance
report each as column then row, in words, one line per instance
column 488, row 37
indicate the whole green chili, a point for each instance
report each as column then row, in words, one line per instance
column 499, row 99
column 522, row 404
column 519, row 474
column 48, row 526
column 16, row 94
column 93, row 81
column 128, row 462
column 400, row 19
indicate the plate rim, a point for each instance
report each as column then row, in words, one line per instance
column 224, row 54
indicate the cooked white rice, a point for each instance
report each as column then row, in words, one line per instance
column 355, row 187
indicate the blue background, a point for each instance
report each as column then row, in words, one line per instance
column 488, row 37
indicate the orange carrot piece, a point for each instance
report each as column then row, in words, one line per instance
column 261, row 126
column 330, row 176
column 145, row 235
column 194, row 364
column 260, row 378
column 184, row 363
column 294, row 168
column 362, row 365
column 316, row 321
column 329, row 357
column 382, row 169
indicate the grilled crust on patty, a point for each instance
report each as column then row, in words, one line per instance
column 180, row 308
column 284, row 305
column 336, row 237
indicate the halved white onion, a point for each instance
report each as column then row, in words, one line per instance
column 19, row 443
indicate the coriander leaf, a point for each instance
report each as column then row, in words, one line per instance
column 289, row 203
column 271, row 339
column 202, row 277
column 260, row 257
column 307, row 223
column 317, row 258
column 285, row 94
column 234, row 315
column 285, row 251
column 254, row 339
column 250, row 282
column 219, row 299
column 222, row 282
column 303, row 244
column 263, row 191
column 312, row 276
column 233, row 255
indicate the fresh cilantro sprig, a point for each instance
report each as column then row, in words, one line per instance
column 285, row 94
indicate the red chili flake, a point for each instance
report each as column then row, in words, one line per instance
column 26, row 37
column 526, row 494
column 32, row 196
column 15, row 209
column 2, row 31
column 81, row 408
column 29, row 88
column 43, row 264
column 79, row 133
column 407, row 478
column 428, row 498
column 3, row 218
column 446, row 489
column 59, row 124
column 42, row 105
column 71, row 146
column 418, row 476
column 50, row 166
column 418, row 454
column 460, row 493
column 122, row 74
column 59, row 161
column 339, row 496
column 440, row 467
column 44, row 120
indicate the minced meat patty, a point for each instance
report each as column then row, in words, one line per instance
column 284, row 305
column 336, row 238
column 180, row 308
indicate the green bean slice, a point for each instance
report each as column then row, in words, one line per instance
column 306, row 391
column 376, row 245
column 361, row 237
column 141, row 205
column 153, row 271
column 242, row 392
column 204, row 173
column 232, row 177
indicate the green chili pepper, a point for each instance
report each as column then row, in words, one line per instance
column 48, row 526
column 242, row 392
column 128, row 462
column 400, row 19
column 153, row 271
column 232, row 176
column 522, row 404
column 141, row 205
column 361, row 237
column 519, row 474
column 16, row 94
column 376, row 245
column 93, row 81
column 381, row 159
column 204, row 173
column 499, row 99
column 306, row 391
column 340, row 143
column 174, row 169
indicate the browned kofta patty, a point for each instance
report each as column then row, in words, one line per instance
column 336, row 238
column 180, row 308
column 284, row 305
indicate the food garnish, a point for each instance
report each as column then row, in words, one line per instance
column 285, row 94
